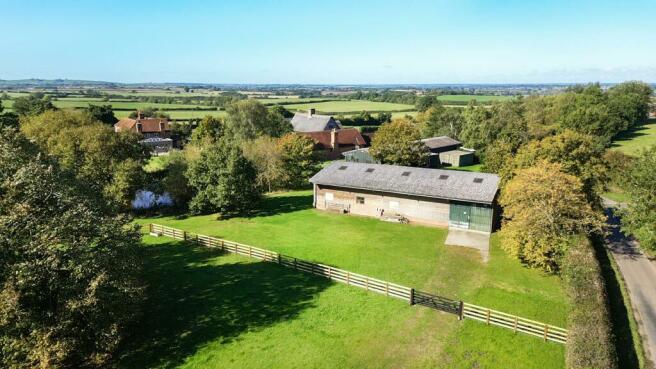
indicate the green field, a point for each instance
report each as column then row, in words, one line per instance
column 209, row 310
column 633, row 141
column 349, row 106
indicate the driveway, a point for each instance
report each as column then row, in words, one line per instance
column 472, row 239
column 639, row 275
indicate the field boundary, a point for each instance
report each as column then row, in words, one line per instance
column 461, row 309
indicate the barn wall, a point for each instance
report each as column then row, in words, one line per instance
column 433, row 212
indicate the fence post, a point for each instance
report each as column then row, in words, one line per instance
column 184, row 235
column 150, row 228
column 412, row 296
column 461, row 311
column 295, row 264
column 222, row 245
column 348, row 278
column 488, row 316
column 279, row 261
column 546, row 330
column 516, row 321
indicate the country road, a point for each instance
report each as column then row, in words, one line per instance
column 639, row 274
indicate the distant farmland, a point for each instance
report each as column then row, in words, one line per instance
column 350, row 106
column 124, row 102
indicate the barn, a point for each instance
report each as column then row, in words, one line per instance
column 446, row 198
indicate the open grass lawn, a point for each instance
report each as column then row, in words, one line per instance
column 349, row 106
column 209, row 310
column 468, row 168
column 637, row 139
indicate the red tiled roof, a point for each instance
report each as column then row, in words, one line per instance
column 147, row 124
column 345, row 137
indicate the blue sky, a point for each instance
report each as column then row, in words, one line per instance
column 249, row 41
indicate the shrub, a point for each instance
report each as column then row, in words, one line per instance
column 590, row 342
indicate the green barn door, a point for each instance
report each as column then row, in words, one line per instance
column 477, row 217
column 459, row 215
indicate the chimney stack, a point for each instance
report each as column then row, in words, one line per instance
column 311, row 112
column 334, row 142
column 161, row 126
column 140, row 114
column 139, row 127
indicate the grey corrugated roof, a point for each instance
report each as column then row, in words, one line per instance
column 303, row 122
column 439, row 142
column 459, row 185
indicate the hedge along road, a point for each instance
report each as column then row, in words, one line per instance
column 639, row 274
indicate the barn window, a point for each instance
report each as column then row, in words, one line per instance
column 405, row 174
column 444, row 176
column 359, row 199
column 478, row 180
column 343, row 167
column 329, row 196
column 369, row 170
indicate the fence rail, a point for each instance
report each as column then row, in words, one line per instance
column 414, row 297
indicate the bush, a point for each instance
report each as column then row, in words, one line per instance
column 590, row 342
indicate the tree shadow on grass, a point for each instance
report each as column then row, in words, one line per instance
column 276, row 205
column 630, row 134
column 195, row 298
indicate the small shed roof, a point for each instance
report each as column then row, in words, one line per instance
column 440, row 142
column 433, row 183
column 457, row 152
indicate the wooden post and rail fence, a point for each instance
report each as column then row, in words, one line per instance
column 414, row 297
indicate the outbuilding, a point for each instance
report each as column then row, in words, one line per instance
column 446, row 198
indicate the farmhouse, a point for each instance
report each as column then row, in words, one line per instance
column 331, row 144
column 312, row 122
column 435, row 197
column 156, row 131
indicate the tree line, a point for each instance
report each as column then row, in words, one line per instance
column 70, row 265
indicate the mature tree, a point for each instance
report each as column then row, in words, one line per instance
column 248, row 119
column 578, row 154
column 224, row 180
column 587, row 112
column 544, row 207
column 279, row 109
column 540, row 116
column 639, row 218
column 299, row 162
column 441, row 121
column 90, row 150
column 175, row 181
column 498, row 155
column 502, row 121
column 398, row 143
column 10, row 120
column 630, row 101
column 32, row 104
column 210, row 129
column 384, row 117
column 69, row 273
column 150, row 112
column 102, row 113
column 265, row 154
column 426, row 102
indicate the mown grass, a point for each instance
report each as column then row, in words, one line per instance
column 211, row 310
column 405, row 254
column 634, row 140
column 468, row 168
